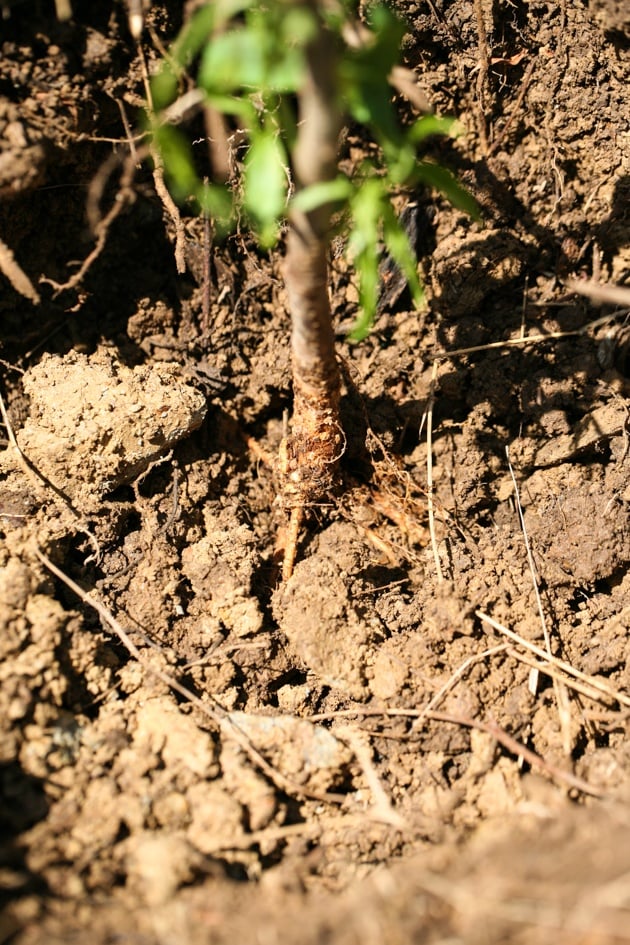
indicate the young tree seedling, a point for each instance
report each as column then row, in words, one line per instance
column 290, row 73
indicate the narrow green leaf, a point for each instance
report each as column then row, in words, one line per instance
column 164, row 87
column 332, row 191
column 430, row 125
column 363, row 246
column 209, row 18
column 443, row 180
column 178, row 161
column 194, row 34
column 233, row 105
column 366, row 264
column 231, row 61
column 298, row 25
column 286, row 70
column 401, row 251
column 364, row 77
column 265, row 183
column 215, row 201
column 401, row 162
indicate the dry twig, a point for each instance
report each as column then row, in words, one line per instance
column 602, row 294
column 482, row 76
column 158, row 177
column 523, row 341
column 430, row 510
column 123, row 198
column 597, row 684
column 10, row 268
column 382, row 810
column 491, row 728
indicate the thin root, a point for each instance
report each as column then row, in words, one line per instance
column 292, row 537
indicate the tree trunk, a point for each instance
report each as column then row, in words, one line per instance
column 317, row 440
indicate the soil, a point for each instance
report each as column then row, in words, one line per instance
column 423, row 735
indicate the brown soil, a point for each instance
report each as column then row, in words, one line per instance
column 362, row 755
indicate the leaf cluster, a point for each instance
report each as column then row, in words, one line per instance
column 249, row 61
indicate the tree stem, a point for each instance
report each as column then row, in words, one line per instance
column 317, row 440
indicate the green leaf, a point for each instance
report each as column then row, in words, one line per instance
column 331, row 191
column 298, row 26
column 401, row 251
column 363, row 245
column 430, row 125
column 266, row 184
column 401, row 162
column 286, row 73
column 178, row 161
column 265, row 53
column 364, row 74
column 216, row 202
column 231, row 61
column 367, row 271
column 372, row 217
column 164, row 87
column 443, row 180
column 388, row 31
column 194, row 34
column 209, row 18
column 234, row 105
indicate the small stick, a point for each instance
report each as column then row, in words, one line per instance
column 123, row 197
column 482, row 78
column 552, row 335
column 561, row 664
column 10, row 268
column 532, row 759
column 158, row 177
column 382, row 809
column 129, row 135
column 530, row 557
column 519, row 101
column 207, row 279
column 492, row 728
column 287, row 831
column 560, row 691
column 292, row 537
column 604, row 294
column 550, row 670
column 430, row 509
column 135, row 18
column 34, row 473
column 457, row 675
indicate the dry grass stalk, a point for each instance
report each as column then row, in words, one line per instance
column 596, row 684
column 10, row 268
column 521, row 341
column 430, row 509
column 560, row 692
column 511, row 744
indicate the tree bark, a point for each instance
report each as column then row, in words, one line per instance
column 317, row 440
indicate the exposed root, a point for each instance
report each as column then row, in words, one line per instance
column 124, row 197
column 291, row 543
column 10, row 268
column 307, row 463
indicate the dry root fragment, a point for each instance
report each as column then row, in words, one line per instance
column 307, row 465
column 16, row 275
